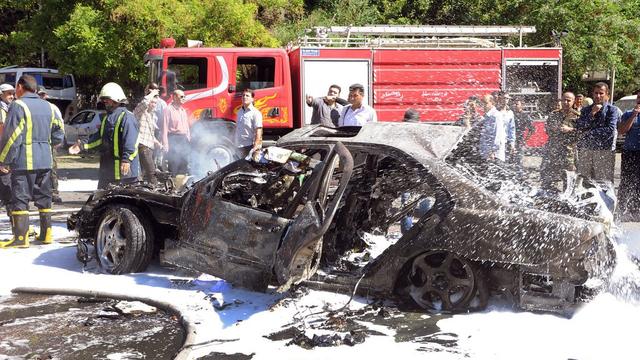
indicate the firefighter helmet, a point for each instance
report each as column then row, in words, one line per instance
column 114, row 92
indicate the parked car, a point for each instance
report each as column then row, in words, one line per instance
column 82, row 125
column 625, row 103
column 307, row 203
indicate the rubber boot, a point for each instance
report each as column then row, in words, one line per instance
column 20, row 237
column 46, row 235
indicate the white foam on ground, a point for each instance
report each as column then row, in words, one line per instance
column 605, row 328
column 77, row 185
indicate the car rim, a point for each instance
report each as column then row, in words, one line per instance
column 441, row 280
column 220, row 158
column 111, row 241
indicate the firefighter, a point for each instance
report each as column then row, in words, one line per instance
column 117, row 139
column 25, row 148
column 7, row 93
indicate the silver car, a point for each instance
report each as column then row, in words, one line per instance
column 82, row 125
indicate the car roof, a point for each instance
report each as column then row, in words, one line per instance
column 628, row 97
column 420, row 140
column 28, row 69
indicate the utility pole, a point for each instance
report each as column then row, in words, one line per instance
column 613, row 82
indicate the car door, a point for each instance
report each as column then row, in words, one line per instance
column 71, row 129
column 241, row 243
column 298, row 257
column 91, row 123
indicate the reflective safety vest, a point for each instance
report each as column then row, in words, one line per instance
column 41, row 156
column 116, row 144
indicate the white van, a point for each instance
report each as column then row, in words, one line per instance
column 61, row 88
column 626, row 103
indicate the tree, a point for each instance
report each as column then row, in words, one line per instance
column 107, row 40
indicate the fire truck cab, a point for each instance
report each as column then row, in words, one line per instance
column 433, row 69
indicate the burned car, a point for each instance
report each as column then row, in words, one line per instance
column 305, row 212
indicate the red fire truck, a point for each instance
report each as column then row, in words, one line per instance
column 433, row 69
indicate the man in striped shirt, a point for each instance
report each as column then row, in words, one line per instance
column 145, row 113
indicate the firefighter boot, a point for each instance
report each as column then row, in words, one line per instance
column 20, row 237
column 46, row 235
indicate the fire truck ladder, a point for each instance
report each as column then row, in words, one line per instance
column 427, row 36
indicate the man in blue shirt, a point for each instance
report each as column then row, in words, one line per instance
column 596, row 128
column 629, row 190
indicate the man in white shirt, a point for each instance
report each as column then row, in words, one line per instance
column 357, row 114
column 508, row 120
column 493, row 136
column 248, row 134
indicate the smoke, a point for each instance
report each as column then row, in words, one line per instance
column 211, row 147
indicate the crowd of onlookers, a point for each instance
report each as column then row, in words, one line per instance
column 581, row 131
column 582, row 134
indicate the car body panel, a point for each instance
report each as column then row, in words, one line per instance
column 257, row 245
column 82, row 125
column 243, row 243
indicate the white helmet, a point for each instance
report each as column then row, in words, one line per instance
column 114, row 92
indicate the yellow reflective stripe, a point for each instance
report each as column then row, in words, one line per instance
column 59, row 123
column 93, row 144
column 116, row 137
column 20, row 212
column 53, row 118
column 54, row 121
column 135, row 152
column 116, row 170
column 116, row 147
column 44, row 210
column 12, row 139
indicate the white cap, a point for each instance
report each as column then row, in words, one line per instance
column 6, row 87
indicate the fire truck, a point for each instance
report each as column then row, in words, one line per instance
column 433, row 69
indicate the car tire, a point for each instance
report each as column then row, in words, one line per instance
column 433, row 275
column 124, row 240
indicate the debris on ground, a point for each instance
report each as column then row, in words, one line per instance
column 134, row 308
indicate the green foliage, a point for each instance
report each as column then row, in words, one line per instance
column 600, row 37
column 105, row 40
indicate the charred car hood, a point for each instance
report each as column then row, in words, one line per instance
column 421, row 141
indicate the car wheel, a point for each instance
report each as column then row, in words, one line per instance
column 444, row 281
column 124, row 241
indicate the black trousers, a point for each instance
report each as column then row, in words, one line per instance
column 629, row 189
column 147, row 164
column 54, row 171
column 178, row 155
column 30, row 185
column 5, row 191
